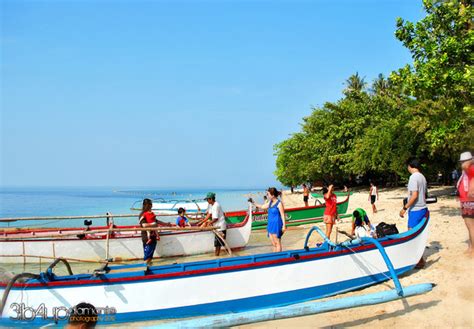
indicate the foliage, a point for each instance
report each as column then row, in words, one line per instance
column 424, row 109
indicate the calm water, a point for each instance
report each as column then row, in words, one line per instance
column 36, row 202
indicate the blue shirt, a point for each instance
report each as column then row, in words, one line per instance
column 181, row 221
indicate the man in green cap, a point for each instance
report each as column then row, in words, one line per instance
column 215, row 217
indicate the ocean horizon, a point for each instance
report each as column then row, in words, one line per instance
column 36, row 201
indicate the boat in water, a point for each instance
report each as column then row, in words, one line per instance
column 218, row 286
column 170, row 207
column 294, row 216
column 120, row 243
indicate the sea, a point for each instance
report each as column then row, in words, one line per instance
column 81, row 201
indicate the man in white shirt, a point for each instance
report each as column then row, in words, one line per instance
column 215, row 217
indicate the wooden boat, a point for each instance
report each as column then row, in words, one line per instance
column 234, row 284
column 125, row 243
column 170, row 207
column 317, row 195
column 294, row 216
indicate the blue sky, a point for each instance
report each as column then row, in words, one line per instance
column 176, row 93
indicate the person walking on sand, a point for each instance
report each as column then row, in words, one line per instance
column 373, row 196
column 416, row 204
column 465, row 187
column 276, row 217
column 305, row 195
column 215, row 216
column 330, row 213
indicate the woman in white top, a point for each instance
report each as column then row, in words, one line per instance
column 373, row 196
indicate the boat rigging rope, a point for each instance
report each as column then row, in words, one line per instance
column 10, row 284
column 364, row 261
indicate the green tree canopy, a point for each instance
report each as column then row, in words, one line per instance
column 423, row 109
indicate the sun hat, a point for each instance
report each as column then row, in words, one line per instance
column 465, row 156
column 210, row 195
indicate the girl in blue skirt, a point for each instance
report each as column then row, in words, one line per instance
column 276, row 213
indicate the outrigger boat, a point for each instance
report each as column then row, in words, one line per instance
column 219, row 286
column 119, row 243
column 317, row 195
column 170, row 207
column 294, row 216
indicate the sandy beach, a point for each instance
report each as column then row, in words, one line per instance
column 450, row 304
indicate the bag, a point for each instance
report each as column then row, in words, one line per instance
column 384, row 229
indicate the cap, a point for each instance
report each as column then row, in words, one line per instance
column 210, row 195
column 465, row 156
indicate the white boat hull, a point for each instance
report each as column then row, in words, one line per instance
column 124, row 245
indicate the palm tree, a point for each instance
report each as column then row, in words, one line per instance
column 355, row 85
column 380, row 85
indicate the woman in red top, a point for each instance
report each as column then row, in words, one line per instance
column 466, row 196
column 330, row 213
column 149, row 238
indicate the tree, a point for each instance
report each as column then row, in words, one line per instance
column 355, row 85
column 441, row 45
column 440, row 78
column 424, row 109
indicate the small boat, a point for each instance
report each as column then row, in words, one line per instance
column 219, row 286
column 124, row 243
column 170, row 207
column 294, row 216
column 318, row 195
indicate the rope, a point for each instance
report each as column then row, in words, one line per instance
column 362, row 261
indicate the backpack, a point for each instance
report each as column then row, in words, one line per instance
column 384, row 229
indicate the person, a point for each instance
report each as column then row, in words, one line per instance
column 439, row 177
column 454, row 177
column 182, row 221
column 330, row 213
column 215, row 217
column 305, row 195
column 465, row 187
column 83, row 315
column 359, row 217
column 147, row 219
column 276, row 214
column 416, row 204
column 373, row 196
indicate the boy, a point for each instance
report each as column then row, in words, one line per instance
column 182, row 221
column 359, row 217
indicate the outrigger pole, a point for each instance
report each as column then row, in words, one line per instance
column 308, row 308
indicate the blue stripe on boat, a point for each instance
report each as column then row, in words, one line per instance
column 244, row 304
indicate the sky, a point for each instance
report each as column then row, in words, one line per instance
column 176, row 93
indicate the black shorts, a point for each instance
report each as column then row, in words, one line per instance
column 217, row 241
column 372, row 199
column 305, row 198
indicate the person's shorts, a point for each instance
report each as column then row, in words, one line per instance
column 305, row 198
column 217, row 241
column 416, row 216
column 149, row 250
column 329, row 219
column 467, row 209
column 372, row 199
